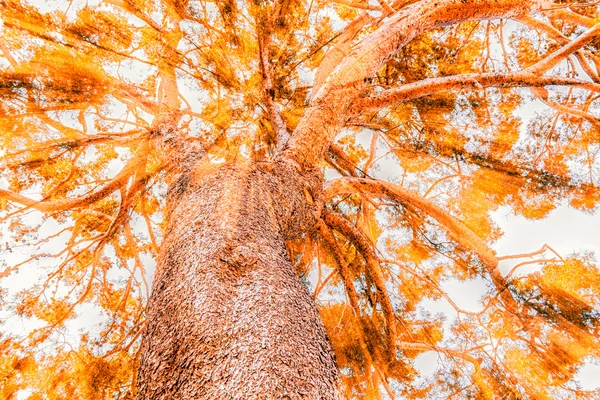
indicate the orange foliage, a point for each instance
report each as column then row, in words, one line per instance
column 82, row 204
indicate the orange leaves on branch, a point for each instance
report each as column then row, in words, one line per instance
column 55, row 311
column 585, row 198
column 361, row 353
column 55, row 79
column 563, row 290
column 106, row 30
column 66, row 78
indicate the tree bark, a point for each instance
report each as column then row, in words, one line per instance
column 228, row 317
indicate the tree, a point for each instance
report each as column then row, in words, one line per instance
column 259, row 148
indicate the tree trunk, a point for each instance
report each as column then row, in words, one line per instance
column 228, row 317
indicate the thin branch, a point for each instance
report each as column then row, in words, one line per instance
column 328, row 237
column 117, row 182
column 420, row 346
column 365, row 247
column 568, row 15
column 529, row 262
column 542, row 250
column 456, row 229
column 281, row 133
column 82, row 141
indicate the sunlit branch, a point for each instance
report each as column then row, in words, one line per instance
column 557, row 35
column 529, row 262
column 434, row 85
column 410, row 21
column 328, row 110
column 531, row 254
column 365, row 247
column 586, row 67
column 356, row 4
column 545, row 27
column 553, row 59
column 118, row 181
column 7, row 54
column 440, row 180
column 341, row 48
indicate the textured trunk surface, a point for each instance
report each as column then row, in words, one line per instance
column 228, row 317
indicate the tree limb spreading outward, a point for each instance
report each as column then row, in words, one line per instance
column 459, row 232
column 310, row 140
column 431, row 86
column 120, row 180
column 366, row 249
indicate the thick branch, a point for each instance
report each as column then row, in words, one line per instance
column 434, row 85
column 553, row 59
column 568, row 15
column 330, row 106
column 281, row 133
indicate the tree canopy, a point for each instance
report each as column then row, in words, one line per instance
column 451, row 110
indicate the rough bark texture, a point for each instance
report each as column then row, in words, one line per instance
column 228, row 317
